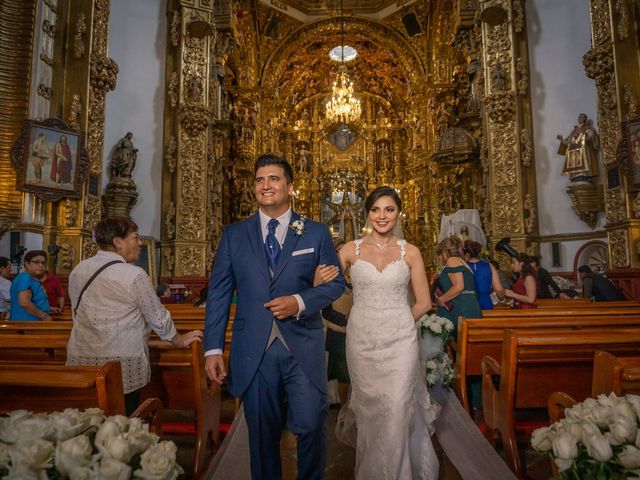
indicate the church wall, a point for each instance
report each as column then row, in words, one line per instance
column 559, row 34
column 137, row 43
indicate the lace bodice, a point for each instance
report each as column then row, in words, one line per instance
column 384, row 289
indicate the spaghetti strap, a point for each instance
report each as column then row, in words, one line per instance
column 358, row 242
column 402, row 244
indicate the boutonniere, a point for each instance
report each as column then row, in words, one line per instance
column 298, row 226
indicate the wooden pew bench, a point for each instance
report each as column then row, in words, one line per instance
column 479, row 337
column 560, row 303
column 536, row 363
column 48, row 388
column 565, row 311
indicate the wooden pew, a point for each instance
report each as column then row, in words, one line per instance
column 178, row 379
column 47, row 388
column 559, row 303
column 479, row 337
column 536, row 363
column 543, row 312
column 611, row 374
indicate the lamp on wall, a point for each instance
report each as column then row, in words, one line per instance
column 343, row 107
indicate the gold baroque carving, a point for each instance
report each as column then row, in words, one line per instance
column 530, row 207
column 74, row 114
column 523, row 81
column 191, row 261
column 78, row 36
column 623, row 19
column 70, row 213
column 518, row 16
column 170, row 221
column 52, row 6
column 170, row 156
column 195, row 118
column 104, row 72
column 172, row 89
column 600, row 21
column 630, row 102
column 67, row 255
column 586, row 202
column 500, row 106
column 46, row 59
column 89, row 249
column 619, row 245
column 507, row 218
column 192, row 172
column 49, row 28
column 44, row 91
column 616, row 205
column 525, row 147
column 92, row 212
column 169, row 260
column 174, row 32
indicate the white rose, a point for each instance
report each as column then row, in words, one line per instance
column 136, row 424
column 37, row 454
column 140, row 440
column 72, row 453
column 159, row 463
column 629, row 457
column 563, row 463
column 540, row 440
column 81, row 473
column 121, row 421
column 22, row 472
column 565, row 446
column 623, row 430
column 95, row 416
column 602, row 415
column 634, row 400
column 28, row 428
column 118, row 448
column 68, row 424
column 623, row 407
column 435, row 328
column 588, row 428
column 4, row 454
column 607, row 400
column 598, row 448
column 111, row 469
column 107, row 430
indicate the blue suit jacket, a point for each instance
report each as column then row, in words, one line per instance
column 241, row 265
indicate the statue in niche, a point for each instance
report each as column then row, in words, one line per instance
column 347, row 220
column 498, row 78
column 580, row 150
column 304, row 160
column 384, row 156
column 194, row 90
column 124, row 157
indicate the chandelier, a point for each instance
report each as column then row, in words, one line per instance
column 343, row 107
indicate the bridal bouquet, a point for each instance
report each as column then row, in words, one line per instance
column 84, row 445
column 434, row 332
column 598, row 438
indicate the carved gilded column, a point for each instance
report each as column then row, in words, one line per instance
column 187, row 119
column 507, row 114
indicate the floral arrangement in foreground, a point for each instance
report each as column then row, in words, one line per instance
column 83, row 445
column 562, row 282
column 598, row 439
column 434, row 332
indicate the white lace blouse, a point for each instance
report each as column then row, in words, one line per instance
column 115, row 316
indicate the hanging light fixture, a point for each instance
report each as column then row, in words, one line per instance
column 343, row 107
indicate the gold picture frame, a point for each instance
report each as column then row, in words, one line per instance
column 147, row 258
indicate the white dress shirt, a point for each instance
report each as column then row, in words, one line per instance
column 5, row 296
column 115, row 316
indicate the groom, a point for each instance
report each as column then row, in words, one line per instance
column 277, row 350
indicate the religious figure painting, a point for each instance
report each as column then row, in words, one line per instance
column 50, row 160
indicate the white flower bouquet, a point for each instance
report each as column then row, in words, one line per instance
column 84, row 445
column 435, row 326
column 598, row 438
column 439, row 370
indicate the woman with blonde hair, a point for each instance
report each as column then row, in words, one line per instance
column 454, row 291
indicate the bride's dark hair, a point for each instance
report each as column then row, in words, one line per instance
column 382, row 192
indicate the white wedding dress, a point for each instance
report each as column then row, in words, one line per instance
column 394, row 414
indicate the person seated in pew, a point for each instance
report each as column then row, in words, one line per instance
column 545, row 282
column 115, row 307
column 5, row 285
column 523, row 291
column 485, row 276
column 28, row 297
column 598, row 287
column 53, row 287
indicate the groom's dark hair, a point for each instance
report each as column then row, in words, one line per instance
column 382, row 192
column 268, row 159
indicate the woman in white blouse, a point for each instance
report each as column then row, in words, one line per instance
column 115, row 311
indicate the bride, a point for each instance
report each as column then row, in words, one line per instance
column 393, row 412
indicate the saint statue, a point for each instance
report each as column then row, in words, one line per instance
column 303, row 159
column 124, row 157
column 580, row 149
column 384, row 158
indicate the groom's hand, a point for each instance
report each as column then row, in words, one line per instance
column 214, row 366
column 283, row 307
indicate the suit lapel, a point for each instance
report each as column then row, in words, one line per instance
column 290, row 241
column 257, row 245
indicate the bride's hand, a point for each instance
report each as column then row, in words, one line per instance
column 324, row 274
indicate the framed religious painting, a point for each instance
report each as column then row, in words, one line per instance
column 147, row 258
column 50, row 160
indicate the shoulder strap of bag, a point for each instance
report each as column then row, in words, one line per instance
column 93, row 277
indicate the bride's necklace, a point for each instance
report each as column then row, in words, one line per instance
column 381, row 245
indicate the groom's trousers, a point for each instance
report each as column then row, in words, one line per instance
column 305, row 414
